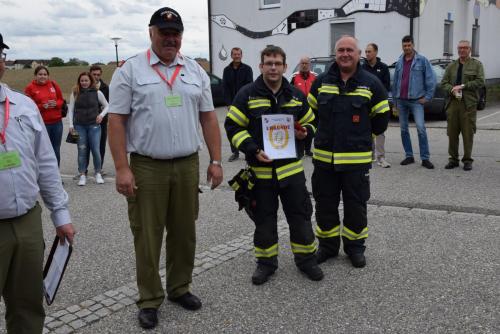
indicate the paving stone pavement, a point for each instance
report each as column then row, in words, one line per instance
column 74, row 317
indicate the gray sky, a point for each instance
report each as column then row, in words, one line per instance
column 42, row 29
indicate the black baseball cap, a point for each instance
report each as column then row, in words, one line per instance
column 165, row 18
column 2, row 44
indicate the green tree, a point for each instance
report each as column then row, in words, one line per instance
column 76, row 62
column 55, row 62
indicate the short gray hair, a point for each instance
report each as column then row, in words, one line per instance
column 347, row 36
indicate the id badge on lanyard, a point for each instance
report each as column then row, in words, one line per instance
column 172, row 100
column 8, row 159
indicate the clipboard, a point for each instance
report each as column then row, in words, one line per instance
column 54, row 268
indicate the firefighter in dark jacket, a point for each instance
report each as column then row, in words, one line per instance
column 351, row 105
column 283, row 178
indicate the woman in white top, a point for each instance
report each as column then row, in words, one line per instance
column 87, row 107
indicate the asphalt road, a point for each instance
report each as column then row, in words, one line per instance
column 433, row 258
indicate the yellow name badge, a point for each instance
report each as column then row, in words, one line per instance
column 9, row 160
column 173, row 101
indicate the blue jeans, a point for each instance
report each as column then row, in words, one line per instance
column 90, row 138
column 55, row 135
column 417, row 109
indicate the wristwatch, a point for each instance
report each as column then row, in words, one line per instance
column 216, row 162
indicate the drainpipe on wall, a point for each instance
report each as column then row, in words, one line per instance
column 414, row 6
column 209, row 35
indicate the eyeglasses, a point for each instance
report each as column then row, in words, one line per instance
column 273, row 63
column 3, row 56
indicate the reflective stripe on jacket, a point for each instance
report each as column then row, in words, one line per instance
column 243, row 125
column 348, row 113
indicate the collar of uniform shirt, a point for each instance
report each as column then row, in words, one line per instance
column 179, row 60
column 2, row 93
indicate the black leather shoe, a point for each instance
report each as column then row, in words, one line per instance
column 427, row 164
column 148, row 318
column 262, row 273
column 467, row 165
column 313, row 272
column 407, row 161
column 309, row 153
column 188, row 301
column 451, row 165
column 322, row 256
column 233, row 157
column 358, row 260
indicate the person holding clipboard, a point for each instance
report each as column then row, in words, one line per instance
column 260, row 123
column 28, row 166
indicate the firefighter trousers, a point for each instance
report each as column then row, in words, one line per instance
column 354, row 186
column 297, row 206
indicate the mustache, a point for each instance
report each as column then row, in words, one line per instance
column 169, row 44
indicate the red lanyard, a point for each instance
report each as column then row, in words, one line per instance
column 5, row 121
column 170, row 82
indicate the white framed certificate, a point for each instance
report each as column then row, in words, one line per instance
column 279, row 136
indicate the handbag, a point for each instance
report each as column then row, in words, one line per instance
column 64, row 109
column 72, row 137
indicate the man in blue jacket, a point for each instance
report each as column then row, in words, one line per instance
column 414, row 85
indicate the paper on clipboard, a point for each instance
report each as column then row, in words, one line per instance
column 279, row 136
column 54, row 268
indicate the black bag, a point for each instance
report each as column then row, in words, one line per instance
column 243, row 183
column 481, row 102
column 72, row 137
column 64, row 109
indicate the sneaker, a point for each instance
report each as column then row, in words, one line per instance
column 233, row 157
column 82, row 181
column 407, row 161
column 427, row 164
column 99, row 179
column 383, row 163
column 77, row 176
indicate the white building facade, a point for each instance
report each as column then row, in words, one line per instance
column 311, row 28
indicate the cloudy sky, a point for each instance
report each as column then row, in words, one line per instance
column 42, row 29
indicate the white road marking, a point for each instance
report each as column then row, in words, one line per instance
column 498, row 112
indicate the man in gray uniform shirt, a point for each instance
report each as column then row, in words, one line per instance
column 28, row 166
column 158, row 99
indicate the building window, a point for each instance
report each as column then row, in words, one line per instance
column 475, row 40
column 448, row 38
column 264, row 4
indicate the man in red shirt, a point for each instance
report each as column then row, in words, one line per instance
column 303, row 80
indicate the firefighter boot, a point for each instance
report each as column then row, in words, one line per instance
column 358, row 260
column 328, row 248
column 262, row 273
column 313, row 272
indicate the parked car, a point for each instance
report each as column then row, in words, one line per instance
column 318, row 64
column 217, row 89
column 435, row 106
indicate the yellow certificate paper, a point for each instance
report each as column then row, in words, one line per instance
column 279, row 136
